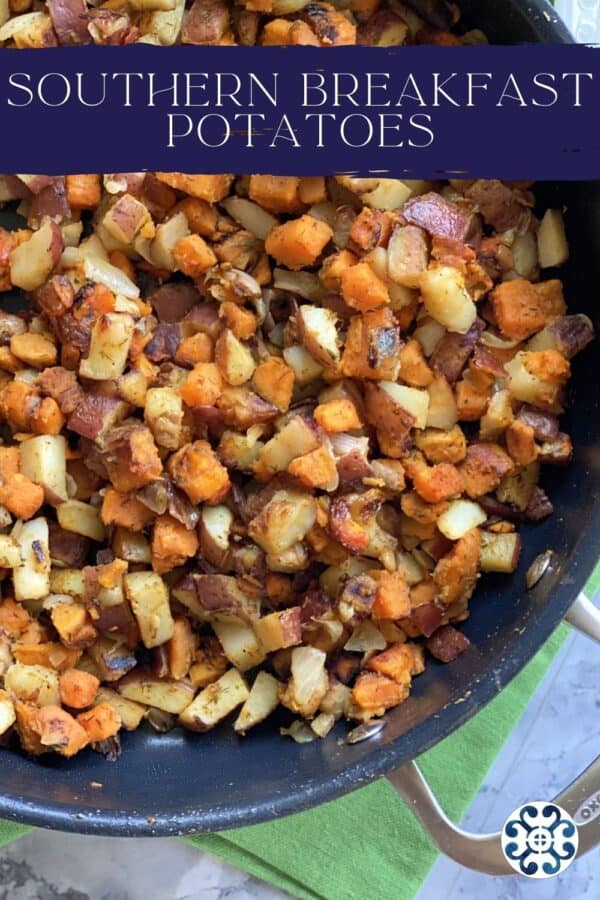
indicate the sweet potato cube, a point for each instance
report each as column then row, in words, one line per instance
column 316, row 469
column 437, row 483
column 172, row 544
column 21, row 496
column 100, row 723
column 78, row 689
column 198, row 472
column 59, row 731
column 198, row 348
column 399, row 662
column 203, row 386
column 125, row 510
column 211, row 188
column 392, row 599
column 374, row 693
column 337, row 415
column 9, row 461
column 193, row 256
column 274, row 381
column 240, row 321
column 362, row 288
column 522, row 308
column 299, row 242
column 83, row 191
column 277, row 193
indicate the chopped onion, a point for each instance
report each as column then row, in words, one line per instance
column 460, row 517
column 489, row 339
column 366, row 636
column 250, row 216
column 97, row 269
column 299, row 731
column 305, row 284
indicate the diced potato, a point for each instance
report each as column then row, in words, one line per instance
column 149, row 598
column 319, row 333
column 525, row 254
column 262, row 700
column 517, row 487
column 536, row 377
column 460, row 517
column 33, row 684
column 131, row 713
column 31, row 580
column 280, row 629
column 498, row 416
column 390, row 193
column 234, row 359
column 322, row 724
column 446, row 298
column 163, row 26
column 214, row 531
column 413, row 400
column 142, row 687
column 500, row 552
column 303, row 365
column 163, row 413
column 297, row 438
column 407, row 256
column 109, row 346
column 442, row 411
column 67, row 581
column 32, row 261
column 10, row 554
column 43, row 459
column 7, row 712
column 553, row 249
column 215, row 702
column 239, row 642
column 167, row 237
column 284, row 521
column 81, row 518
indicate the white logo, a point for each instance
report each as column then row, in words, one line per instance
column 540, row 839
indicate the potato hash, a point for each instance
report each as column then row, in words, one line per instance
column 373, row 23
column 259, row 438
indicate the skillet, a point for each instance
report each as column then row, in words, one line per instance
column 181, row 784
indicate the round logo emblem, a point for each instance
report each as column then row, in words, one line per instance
column 540, row 839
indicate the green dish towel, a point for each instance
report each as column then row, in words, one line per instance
column 326, row 853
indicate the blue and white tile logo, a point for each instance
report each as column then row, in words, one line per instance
column 540, row 839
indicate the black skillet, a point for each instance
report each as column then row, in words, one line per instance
column 181, row 783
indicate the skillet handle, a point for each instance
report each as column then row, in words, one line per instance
column 483, row 852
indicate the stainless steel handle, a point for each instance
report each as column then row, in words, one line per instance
column 483, row 852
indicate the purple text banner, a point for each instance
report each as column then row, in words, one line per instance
column 528, row 111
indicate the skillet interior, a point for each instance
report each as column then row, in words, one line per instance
column 175, row 783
